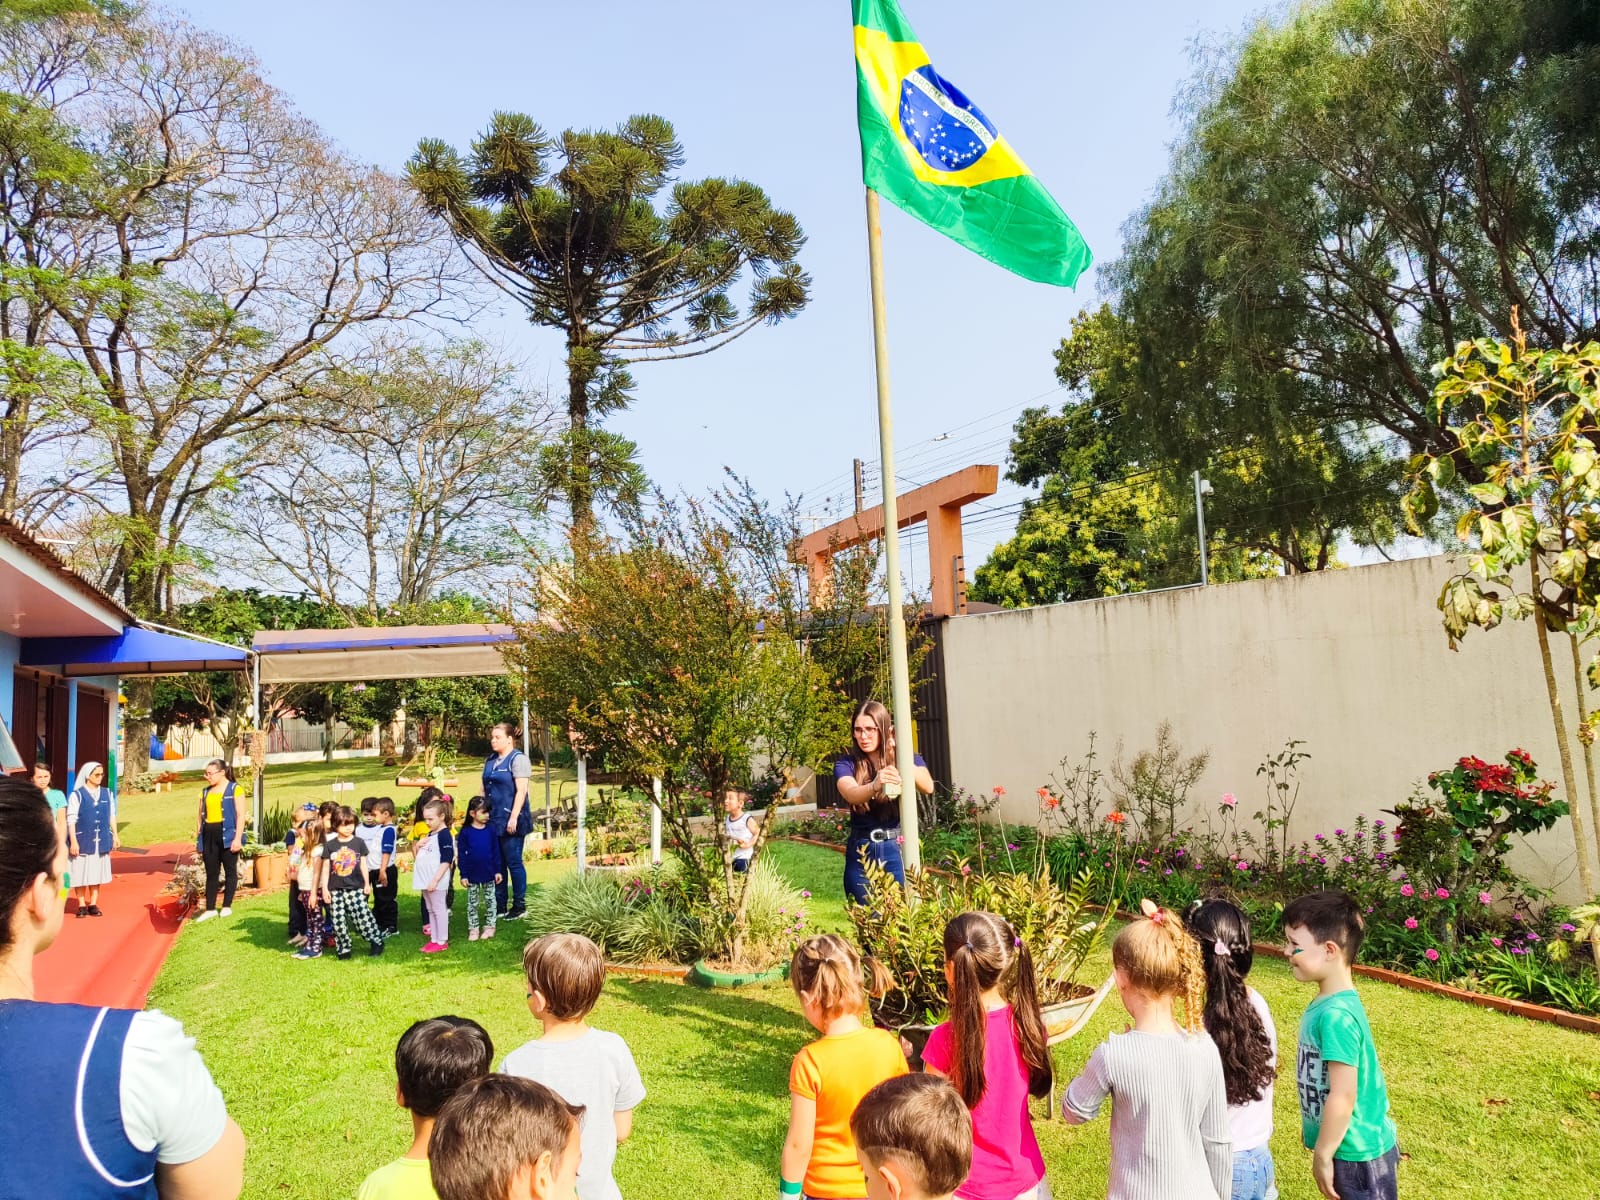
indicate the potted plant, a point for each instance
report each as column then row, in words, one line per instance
column 904, row 929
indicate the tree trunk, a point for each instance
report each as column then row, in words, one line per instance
column 327, row 737
column 1564, row 749
column 1583, row 739
column 580, row 489
column 137, row 726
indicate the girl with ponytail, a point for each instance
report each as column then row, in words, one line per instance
column 1169, row 1104
column 993, row 1050
column 1240, row 1024
column 830, row 1076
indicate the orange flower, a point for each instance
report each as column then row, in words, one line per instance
column 998, row 790
column 1116, row 818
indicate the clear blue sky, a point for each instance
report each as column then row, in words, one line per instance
column 766, row 91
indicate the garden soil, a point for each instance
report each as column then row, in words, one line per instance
column 112, row 960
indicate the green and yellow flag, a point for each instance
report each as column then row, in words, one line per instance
column 928, row 149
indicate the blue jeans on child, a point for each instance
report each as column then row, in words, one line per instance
column 885, row 853
column 1374, row 1179
column 1253, row 1175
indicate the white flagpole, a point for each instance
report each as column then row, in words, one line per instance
column 899, row 672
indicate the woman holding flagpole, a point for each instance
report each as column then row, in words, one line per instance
column 870, row 783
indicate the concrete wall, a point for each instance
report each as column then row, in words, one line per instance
column 1353, row 662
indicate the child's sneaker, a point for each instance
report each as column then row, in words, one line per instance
column 427, row 932
column 343, row 954
column 435, row 947
column 488, row 932
column 375, row 950
column 307, row 952
column 472, row 935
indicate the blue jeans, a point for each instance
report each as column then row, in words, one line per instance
column 515, row 874
column 886, row 854
column 1253, row 1175
column 1374, row 1179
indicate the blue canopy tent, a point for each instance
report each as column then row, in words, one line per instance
column 134, row 651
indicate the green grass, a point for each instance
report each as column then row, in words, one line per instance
column 144, row 818
column 1489, row 1106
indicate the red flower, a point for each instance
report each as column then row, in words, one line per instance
column 1116, row 818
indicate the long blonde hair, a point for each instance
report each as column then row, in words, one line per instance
column 1159, row 957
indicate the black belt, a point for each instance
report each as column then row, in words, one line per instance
column 877, row 835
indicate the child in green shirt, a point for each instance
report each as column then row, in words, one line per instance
column 1344, row 1104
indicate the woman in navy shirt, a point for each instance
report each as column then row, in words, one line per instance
column 870, row 783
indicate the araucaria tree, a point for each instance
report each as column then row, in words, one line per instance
column 661, row 661
column 570, row 229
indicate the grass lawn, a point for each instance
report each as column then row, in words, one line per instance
column 143, row 818
column 1488, row 1106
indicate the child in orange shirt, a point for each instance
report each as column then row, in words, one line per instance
column 831, row 1075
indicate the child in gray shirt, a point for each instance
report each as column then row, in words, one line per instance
column 1169, row 1105
column 583, row 1066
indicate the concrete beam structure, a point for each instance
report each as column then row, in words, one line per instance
column 938, row 503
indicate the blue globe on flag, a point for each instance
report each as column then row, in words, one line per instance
column 945, row 128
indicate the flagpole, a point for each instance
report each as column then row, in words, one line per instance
column 899, row 672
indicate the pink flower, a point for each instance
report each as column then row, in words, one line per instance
column 998, row 790
column 1411, row 922
column 1532, row 936
column 1407, row 890
column 1229, row 800
column 966, row 870
column 1431, row 954
column 1442, row 893
column 1485, row 898
column 1495, row 942
column 1242, row 866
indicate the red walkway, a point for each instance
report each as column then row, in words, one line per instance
column 113, row 959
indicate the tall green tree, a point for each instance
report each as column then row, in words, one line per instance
column 1361, row 185
column 570, row 228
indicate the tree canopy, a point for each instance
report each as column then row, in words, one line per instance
column 569, row 228
column 1361, row 185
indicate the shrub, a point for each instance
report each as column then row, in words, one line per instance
column 904, row 929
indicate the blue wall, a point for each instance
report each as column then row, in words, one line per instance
column 10, row 654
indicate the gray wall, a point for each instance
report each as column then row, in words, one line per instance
column 1352, row 662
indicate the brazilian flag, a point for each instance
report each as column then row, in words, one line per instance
column 928, row 149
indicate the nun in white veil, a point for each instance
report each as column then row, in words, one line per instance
column 91, row 836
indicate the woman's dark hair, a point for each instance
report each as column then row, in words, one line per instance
column 27, row 844
column 867, row 765
column 227, row 771
column 1232, row 1021
column 984, row 950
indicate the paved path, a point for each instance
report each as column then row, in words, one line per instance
column 113, row 959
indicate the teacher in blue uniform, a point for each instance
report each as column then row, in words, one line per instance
column 870, row 784
column 99, row 1102
column 506, row 774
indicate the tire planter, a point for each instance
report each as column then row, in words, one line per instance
column 703, row 975
column 647, row 971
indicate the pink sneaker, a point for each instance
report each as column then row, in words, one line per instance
column 435, row 947
column 472, row 935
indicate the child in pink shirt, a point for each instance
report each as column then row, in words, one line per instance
column 993, row 1050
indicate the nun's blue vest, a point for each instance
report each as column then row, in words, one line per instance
column 94, row 820
column 61, row 1103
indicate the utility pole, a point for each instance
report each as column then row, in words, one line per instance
column 859, row 466
column 1202, row 489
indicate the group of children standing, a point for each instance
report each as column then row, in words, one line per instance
column 337, row 870
column 1191, row 1099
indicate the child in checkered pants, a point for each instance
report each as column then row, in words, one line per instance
column 345, row 885
column 482, row 866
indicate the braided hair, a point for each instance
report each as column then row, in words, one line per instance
column 1160, row 958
